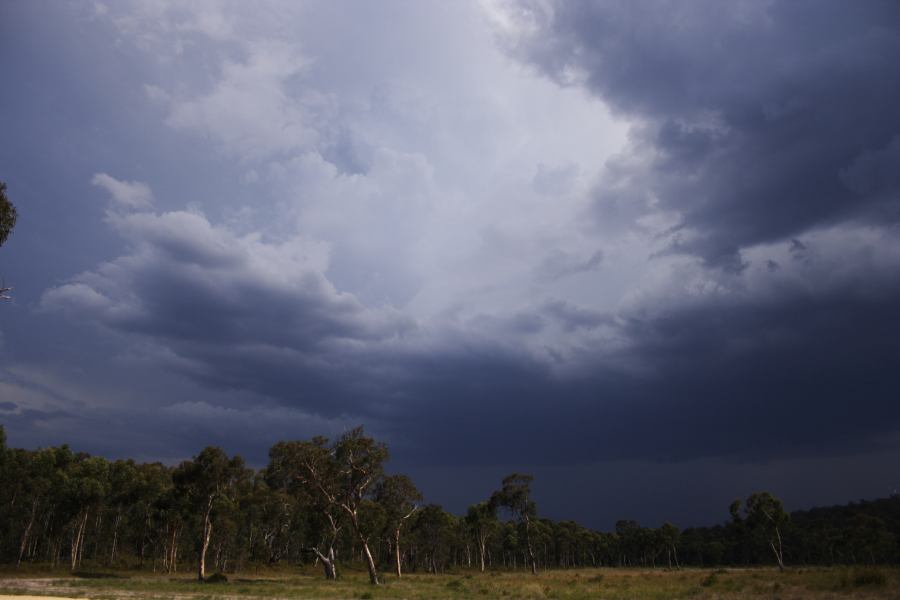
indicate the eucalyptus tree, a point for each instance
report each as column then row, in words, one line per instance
column 87, row 486
column 515, row 496
column 172, row 511
column 397, row 495
column 270, row 513
column 565, row 536
column 510, row 543
column 308, row 471
column 628, row 536
column 870, row 536
column 481, row 519
column 339, row 478
column 669, row 535
column 145, row 515
column 208, row 480
column 359, row 467
column 8, row 215
column 59, row 509
column 432, row 530
column 765, row 517
column 124, row 484
column 29, row 480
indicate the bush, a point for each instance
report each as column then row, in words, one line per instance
column 866, row 577
column 216, row 578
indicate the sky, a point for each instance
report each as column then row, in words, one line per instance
column 645, row 251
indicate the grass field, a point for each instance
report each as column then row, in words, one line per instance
column 797, row 583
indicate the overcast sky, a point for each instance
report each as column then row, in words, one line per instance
column 646, row 251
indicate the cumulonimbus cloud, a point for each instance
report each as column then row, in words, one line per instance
column 774, row 162
column 754, row 123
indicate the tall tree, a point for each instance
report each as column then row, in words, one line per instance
column 87, row 485
column 145, row 514
column 433, row 529
column 29, row 478
column 397, row 496
column 209, row 478
column 307, row 470
column 481, row 519
column 670, row 534
column 8, row 215
column 360, row 465
column 765, row 518
column 515, row 496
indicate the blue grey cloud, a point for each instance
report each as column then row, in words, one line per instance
column 757, row 121
column 669, row 242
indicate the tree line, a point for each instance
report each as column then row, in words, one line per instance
column 331, row 503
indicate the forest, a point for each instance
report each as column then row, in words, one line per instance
column 331, row 503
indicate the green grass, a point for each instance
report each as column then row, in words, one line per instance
column 577, row 584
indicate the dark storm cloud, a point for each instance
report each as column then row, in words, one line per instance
column 169, row 434
column 754, row 121
column 756, row 127
column 802, row 374
column 230, row 312
column 765, row 367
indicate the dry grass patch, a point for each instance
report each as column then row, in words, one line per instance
column 580, row 584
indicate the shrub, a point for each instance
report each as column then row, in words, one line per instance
column 216, row 578
column 866, row 577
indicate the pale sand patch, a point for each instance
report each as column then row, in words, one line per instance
column 37, row 598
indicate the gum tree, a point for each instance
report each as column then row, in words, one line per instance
column 359, row 466
column 397, row 496
column 307, row 471
column 515, row 496
column 764, row 518
column 8, row 216
column 210, row 478
column 481, row 520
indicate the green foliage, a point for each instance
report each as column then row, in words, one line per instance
column 397, row 495
column 8, row 215
column 515, row 496
column 62, row 508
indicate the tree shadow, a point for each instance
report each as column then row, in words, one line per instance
column 97, row 575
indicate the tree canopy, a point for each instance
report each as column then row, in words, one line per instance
column 8, row 215
column 332, row 502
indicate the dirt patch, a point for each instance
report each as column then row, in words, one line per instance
column 2, row 597
column 38, row 588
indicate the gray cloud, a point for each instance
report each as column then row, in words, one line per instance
column 559, row 264
column 233, row 311
column 755, row 122
column 472, row 259
column 801, row 375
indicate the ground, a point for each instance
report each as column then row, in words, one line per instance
column 794, row 584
